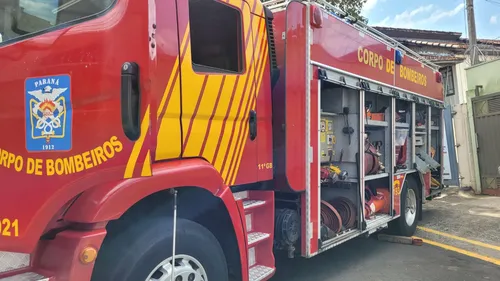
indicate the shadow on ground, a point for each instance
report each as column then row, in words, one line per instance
column 370, row 259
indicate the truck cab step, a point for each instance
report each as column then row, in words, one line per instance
column 26, row 276
column 250, row 204
column 256, row 237
column 260, row 273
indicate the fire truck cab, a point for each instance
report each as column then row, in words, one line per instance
column 188, row 140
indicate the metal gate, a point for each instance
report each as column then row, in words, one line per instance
column 487, row 125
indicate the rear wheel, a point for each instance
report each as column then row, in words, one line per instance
column 142, row 251
column 406, row 224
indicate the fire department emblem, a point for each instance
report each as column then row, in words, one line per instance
column 48, row 113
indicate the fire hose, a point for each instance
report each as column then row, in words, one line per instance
column 330, row 217
column 346, row 210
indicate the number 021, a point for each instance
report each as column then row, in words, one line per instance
column 9, row 228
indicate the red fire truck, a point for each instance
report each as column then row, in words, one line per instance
column 189, row 140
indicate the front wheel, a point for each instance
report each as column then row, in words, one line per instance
column 143, row 252
column 406, row 224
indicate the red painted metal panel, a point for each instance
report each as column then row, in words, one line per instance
column 30, row 194
column 296, row 63
column 411, row 75
column 340, row 45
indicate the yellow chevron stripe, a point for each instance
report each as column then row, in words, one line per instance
column 129, row 170
column 233, row 120
column 215, row 133
column 172, row 74
column 241, row 114
column 146, row 168
column 201, row 119
column 259, row 9
column 260, row 74
column 168, row 138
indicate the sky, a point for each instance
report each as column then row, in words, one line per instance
column 443, row 15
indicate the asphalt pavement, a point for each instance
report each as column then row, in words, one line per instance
column 461, row 243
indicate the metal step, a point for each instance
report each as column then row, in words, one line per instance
column 379, row 221
column 27, row 276
column 255, row 237
column 240, row 195
column 260, row 272
column 249, row 204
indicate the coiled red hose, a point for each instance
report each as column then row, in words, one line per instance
column 330, row 217
column 346, row 210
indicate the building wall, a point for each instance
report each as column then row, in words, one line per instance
column 457, row 100
column 486, row 75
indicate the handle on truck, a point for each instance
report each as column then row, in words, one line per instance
column 130, row 100
column 253, row 124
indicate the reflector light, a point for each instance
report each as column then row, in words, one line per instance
column 398, row 57
column 439, row 77
column 316, row 17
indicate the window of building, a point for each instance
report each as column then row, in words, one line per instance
column 216, row 37
column 24, row 17
column 448, row 81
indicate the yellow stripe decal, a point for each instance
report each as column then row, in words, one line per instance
column 129, row 170
column 172, row 75
column 261, row 57
column 146, row 168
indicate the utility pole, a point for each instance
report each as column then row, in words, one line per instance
column 471, row 24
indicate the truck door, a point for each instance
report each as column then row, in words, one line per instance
column 217, row 73
column 166, row 80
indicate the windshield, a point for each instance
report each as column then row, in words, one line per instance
column 22, row 17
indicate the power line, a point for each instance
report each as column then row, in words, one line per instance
column 495, row 2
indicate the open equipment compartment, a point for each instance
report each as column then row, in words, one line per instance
column 377, row 162
column 403, row 138
column 421, row 127
column 436, row 144
column 339, row 143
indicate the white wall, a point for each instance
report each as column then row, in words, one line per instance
column 458, row 103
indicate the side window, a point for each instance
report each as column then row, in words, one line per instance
column 23, row 17
column 216, row 37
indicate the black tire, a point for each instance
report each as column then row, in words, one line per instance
column 133, row 252
column 400, row 226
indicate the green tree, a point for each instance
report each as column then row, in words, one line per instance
column 352, row 7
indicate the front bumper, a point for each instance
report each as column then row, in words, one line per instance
column 60, row 258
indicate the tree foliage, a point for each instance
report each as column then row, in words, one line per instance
column 352, row 7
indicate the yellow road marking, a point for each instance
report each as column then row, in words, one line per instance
column 461, row 251
column 477, row 243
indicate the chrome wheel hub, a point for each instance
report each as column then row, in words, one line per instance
column 186, row 268
column 411, row 207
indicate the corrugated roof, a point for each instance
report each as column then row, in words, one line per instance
column 443, row 39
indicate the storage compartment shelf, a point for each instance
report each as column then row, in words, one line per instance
column 402, row 125
column 420, row 127
column 434, row 128
column 376, row 123
column 329, row 113
column 377, row 176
